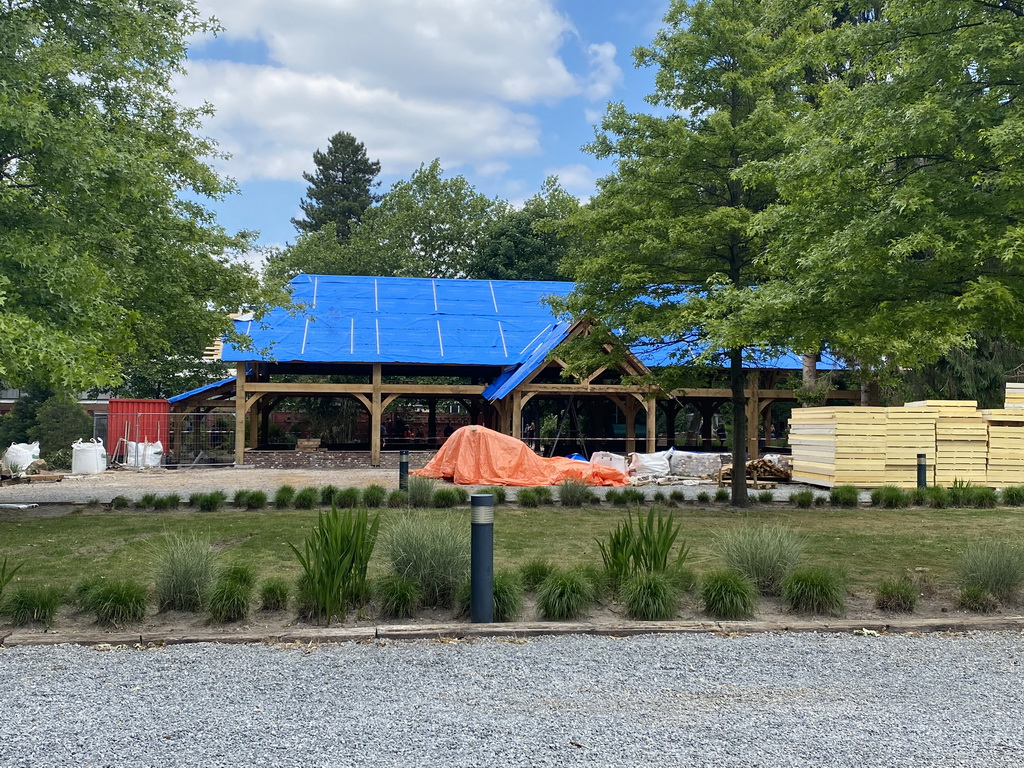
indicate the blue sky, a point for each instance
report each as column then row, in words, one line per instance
column 504, row 92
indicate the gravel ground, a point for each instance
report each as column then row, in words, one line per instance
column 697, row 700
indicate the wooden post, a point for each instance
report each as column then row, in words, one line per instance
column 652, row 423
column 254, row 423
column 375, row 416
column 753, row 416
column 630, row 407
column 240, row 376
column 517, row 414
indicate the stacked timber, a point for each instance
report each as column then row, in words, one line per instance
column 961, row 441
column 1005, row 446
column 909, row 432
column 838, row 446
column 1014, row 395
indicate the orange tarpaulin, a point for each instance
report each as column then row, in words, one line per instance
column 476, row 455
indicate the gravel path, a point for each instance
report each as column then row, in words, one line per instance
column 765, row 700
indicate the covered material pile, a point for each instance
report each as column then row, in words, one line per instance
column 476, row 455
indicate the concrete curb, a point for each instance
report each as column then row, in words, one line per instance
column 463, row 631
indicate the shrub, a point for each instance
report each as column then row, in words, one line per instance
column 815, row 590
column 650, row 596
column 534, row 573
column 1013, row 496
column 6, row 574
column 544, row 494
column 803, row 499
column 615, row 497
column 284, row 496
column 977, row 599
column 820, row 501
column 146, row 501
column 961, row 493
column 498, row 492
column 981, row 497
column 195, row 498
column 117, row 602
column 334, row 560
column 83, row 590
column 421, row 491
column 722, row 494
column 917, row 497
column 232, row 593
column 327, row 496
column 677, row 496
column 432, row 552
column 33, row 603
column 728, row 595
column 184, row 572
column 274, row 594
column 241, row 497
column 703, row 497
column 121, row 502
column 398, row 596
column 307, row 498
column 256, row 500
column 445, row 498
column 462, row 493
column 575, row 493
column 764, row 554
column 996, row 566
column 897, row 594
column 168, row 501
column 765, row 497
column 659, row 497
column 564, row 595
column 398, row 499
column 889, row 497
column 374, row 496
column 212, row 502
column 347, row 498
column 527, row 497
column 844, row 496
column 936, row 496
column 634, row 496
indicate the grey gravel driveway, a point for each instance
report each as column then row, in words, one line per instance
column 681, row 700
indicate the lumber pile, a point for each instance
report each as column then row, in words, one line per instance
column 1005, row 446
column 961, row 441
column 1014, row 395
column 838, row 446
column 311, row 445
column 909, row 432
column 758, row 470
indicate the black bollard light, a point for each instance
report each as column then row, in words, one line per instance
column 922, row 470
column 403, row 470
column 481, row 569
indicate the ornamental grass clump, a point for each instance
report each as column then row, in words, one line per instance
column 232, row 593
column 167, row 501
column 433, row 552
column 728, row 595
column 33, row 603
column 765, row 497
column 982, row 497
column 703, row 497
column 803, row 499
column 534, row 572
column 898, row 595
column 334, row 561
column 241, row 497
column 146, row 501
column 116, row 603
column 722, row 494
column 184, row 571
column 633, row 496
column 643, row 544
column 123, row 502
column 575, row 493
column 936, row 497
column 564, row 595
column 347, row 498
column 7, row 573
column 397, row 596
column 995, row 566
column 615, row 497
column 274, row 594
column 507, row 596
column 498, row 492
column 527, row 497
column 284, row 496
column 764, row 554
column 889, row 497
column 374, row 496
column 844, row 496
column 815, row 590
column 307, row 498
column 446, row 498
column 211, row 502
column 256, row 500
column 1013, row 496
column 398, row 499
column 650, row 596
column 421, row 491
column 327, row 494
column 977, row 600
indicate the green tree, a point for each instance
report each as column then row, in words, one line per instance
column 60, row 421
column 340, row 189
column 672, row 252
column 107, row 253
column 15, row 426
column 528, row 243
column 313, row 253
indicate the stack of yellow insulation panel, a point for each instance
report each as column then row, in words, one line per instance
column 961, row 441
column 908, row 432
column 1005, row 446
column 1014, row 395
column 838, row 446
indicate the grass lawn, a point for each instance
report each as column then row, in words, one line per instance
column 870, row 543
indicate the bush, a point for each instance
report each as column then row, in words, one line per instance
column 232, row 593
column 462, row 493
column 764, row 554
column 961, row 494
column 421, row 491
column 936, row 496
column 889, row 497
column 981, row 497
column 398, row 499
column 765, row 497
column 703, row 497
column 121, row 502
column 347, row 498
column 615, row 497
column 184, row 572
column 432, row 552
column 844, row 496
column 564, row 595
column 33, row 603
column 634, row 496
column 534, row 573
column 445, row 498
column 575, row 493
column 374, row 496
column 327, row 496
column 256, row 500
column 284, row 496
column 274, row 594
column 728, row 595
column 307, row 498
column 398, row 596
column 722, row 494
column 803, row 499
column 212, row 502
column 677, row 496
column 815, row 590
column 241, row 497
column 146, row 501
column 1013, row 496
column 918, row 497
column 334, row 560
column 507, row 596
column 117, row 602
column 996, row 566
column 650, row 596
column 820, row 501
column 898, row 595
column 659, row 497
column 527, row 497
column 168, row 501
column 498, row 492
column 977, row 599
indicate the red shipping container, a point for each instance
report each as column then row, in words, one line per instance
column 139, row 421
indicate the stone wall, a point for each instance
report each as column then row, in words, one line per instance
column 331, row 459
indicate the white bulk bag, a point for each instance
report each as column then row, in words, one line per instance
column 144, row 454
column 88, row 458
column 657, row 464
column 20, row 455
column 613, row 460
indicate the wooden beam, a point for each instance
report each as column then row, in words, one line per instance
column 376, row 411
column 240, row 391
column 517, row 414
column 753, row 412
column 652, row 424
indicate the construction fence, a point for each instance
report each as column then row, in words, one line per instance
column 148, row 439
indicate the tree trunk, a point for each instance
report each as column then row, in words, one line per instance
column 810, row 369
column 738, row 383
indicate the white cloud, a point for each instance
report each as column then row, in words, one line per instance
column 579, row 179
column 605, row 74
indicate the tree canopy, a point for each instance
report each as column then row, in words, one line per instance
column 108, row 255
column 340, row 189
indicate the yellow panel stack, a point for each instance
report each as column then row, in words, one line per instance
column 1005, row 446
column 961, row 441
column 838, row 446
column 908, row 432
column 1014, row 395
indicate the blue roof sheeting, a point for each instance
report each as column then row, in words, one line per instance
column 200, row 390
column 512, row 377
